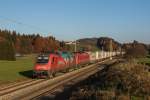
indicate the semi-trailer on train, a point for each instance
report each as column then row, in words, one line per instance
column 47, row 65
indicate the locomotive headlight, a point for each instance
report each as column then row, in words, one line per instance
column 45, row 57
column 39, row 57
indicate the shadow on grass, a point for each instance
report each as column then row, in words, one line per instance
column 27, row 73
column 148, row 56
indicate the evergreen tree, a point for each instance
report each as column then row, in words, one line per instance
column 7, row 51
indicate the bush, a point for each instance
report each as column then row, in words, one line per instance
column 128, row 78
column 136, row 52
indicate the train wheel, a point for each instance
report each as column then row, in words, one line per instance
column 33, row 76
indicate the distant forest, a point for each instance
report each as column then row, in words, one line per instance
column 12, row 43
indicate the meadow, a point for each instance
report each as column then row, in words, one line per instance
column 18, row 70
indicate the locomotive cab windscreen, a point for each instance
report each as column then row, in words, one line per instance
column 42, row 59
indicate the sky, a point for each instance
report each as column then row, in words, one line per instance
column 123, row 20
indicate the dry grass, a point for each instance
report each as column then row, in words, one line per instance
column 130, row 77
column 123, row 81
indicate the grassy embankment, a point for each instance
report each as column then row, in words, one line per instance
column 20, row 69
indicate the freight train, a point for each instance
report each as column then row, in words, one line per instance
column 47, row 65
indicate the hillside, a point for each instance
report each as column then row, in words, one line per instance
column 100, row 43
column 88, row 43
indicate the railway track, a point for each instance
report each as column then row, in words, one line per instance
column 2, row 86
column 72, row 80
column 18, row 86
column 14, row 84
column 60, row 86
column 36, row 88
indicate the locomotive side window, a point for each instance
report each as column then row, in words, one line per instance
column 42, row 59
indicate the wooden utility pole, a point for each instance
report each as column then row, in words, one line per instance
column 110, row 47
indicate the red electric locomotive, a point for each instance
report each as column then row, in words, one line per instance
column 49, row 64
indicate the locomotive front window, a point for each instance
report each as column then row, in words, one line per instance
column 42, row 59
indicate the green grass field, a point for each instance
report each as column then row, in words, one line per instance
column 145, row 60
column 16, row 70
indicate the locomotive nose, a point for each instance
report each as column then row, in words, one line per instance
column 41, row 67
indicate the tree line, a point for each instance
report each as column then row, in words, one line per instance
column 133, row 50
column 12, row 43
column 136, row 49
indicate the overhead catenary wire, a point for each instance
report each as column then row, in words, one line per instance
column 4, row 20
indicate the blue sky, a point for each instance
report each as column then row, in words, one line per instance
column 123, row 20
